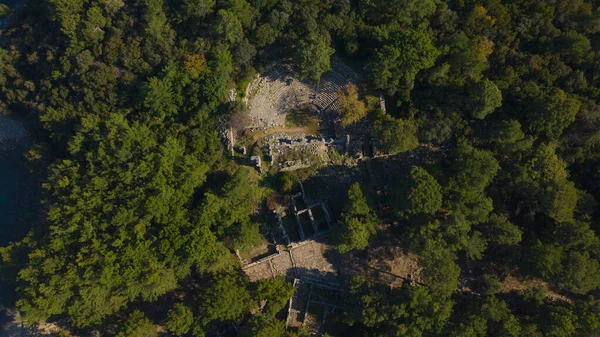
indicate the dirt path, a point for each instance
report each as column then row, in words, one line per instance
column 14, row 328
column 511, row 283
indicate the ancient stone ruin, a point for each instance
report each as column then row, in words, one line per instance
column 271, row 100
column 272, row 96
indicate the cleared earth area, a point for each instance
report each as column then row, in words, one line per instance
column 271, row 97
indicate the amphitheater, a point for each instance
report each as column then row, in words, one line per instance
column 272, row 96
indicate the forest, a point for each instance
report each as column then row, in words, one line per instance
column 143, row 208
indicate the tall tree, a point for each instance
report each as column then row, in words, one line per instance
column 486, row 97
column 421, row 195
column 119, row 198
column 179, row 319
column 226, row 299
column 358, row 222
column 352, row 108
column 313, row 55
column 395, row 135
column 551, row 111
column 396, row 64
column 137, row 325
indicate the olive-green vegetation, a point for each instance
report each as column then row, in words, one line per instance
column 421, row 194
column 179, row 319
column 137, row 325
column 358, row 223
column 395, row 135
column 493, row 118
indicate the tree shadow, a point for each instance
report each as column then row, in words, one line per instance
column 330, row 184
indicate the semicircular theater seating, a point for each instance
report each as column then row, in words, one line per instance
column 276, row 94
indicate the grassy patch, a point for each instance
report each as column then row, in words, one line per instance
column 303, row 119
column 243, row 79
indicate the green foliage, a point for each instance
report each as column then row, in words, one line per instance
column 246, row 235
column 421, row 195
column 179, row 319
column 395, row 135
column 287, row 182
column 467, row 58
column 485, row 317
column 276, row 292
column 137, row 325
column 358, row 222
column 581, row 273
column 476, row 246
column 547, row 174
column 440, row 272
column 404, row 12
column 559, row 321
column 159, row 99
column 4, row 11
column 546, row 260
column 264, row 326
column 227, row 299
column 551, row 111
column 396, row 64
column 573, row 46
column 229, row 209
column 500, row 230
column 197, row 9
column 406, row 311
column 228, row 28
column 456, row 229
column 488, row 284
column 356, row 234
column 120, row 192
column 475, row 169
column 570, row 259
column 313, row 55
column 486, row 98
column 124, row 99
column 507, row 136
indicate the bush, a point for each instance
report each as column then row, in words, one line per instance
column 179, row 319
column 137, row 325
column 287, row 182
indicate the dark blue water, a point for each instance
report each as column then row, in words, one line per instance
column 19, row 201
column 19, row 196
column 13, row 4
column 19, row 188
column 20, row 193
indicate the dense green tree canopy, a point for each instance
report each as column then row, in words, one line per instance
column 264, row 326
column 396, row 134
column 137, row 325
column 179, row 319
column 397, row 63
column 358, row 223
column 276, row 292
column 486, row 166
column 421, row 195
column 313, row 55
column 117, row 199
column 487, row 97
column 551, row 112
column 227, row 299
